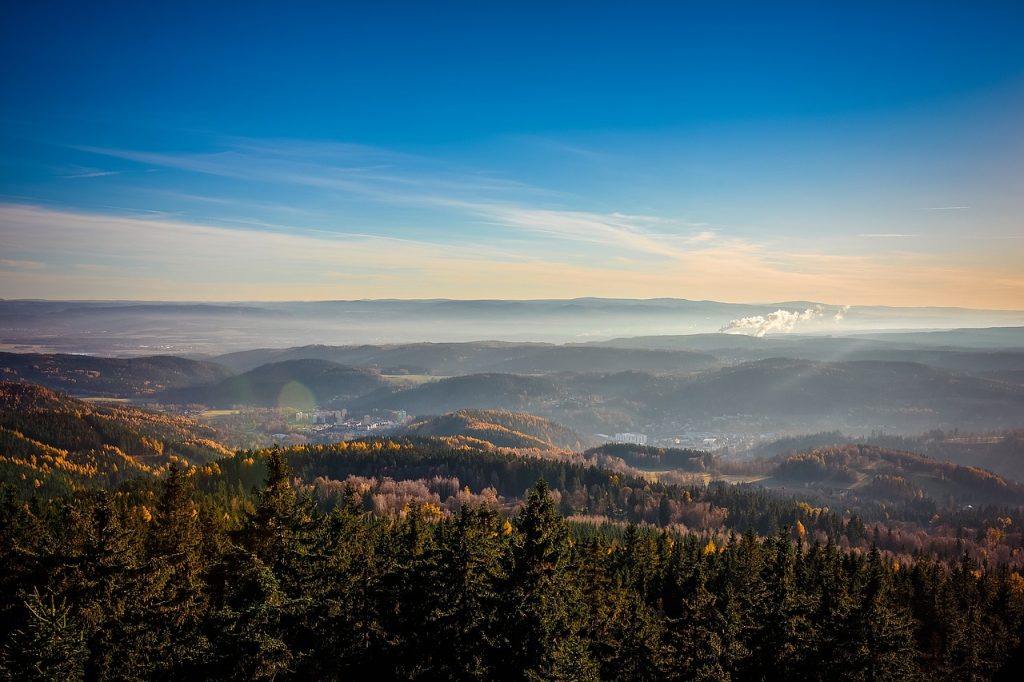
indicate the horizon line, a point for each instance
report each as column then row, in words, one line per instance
column 215, row 302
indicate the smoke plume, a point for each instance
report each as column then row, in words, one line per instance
column 782, row 321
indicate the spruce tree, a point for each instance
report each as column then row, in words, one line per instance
column 543, row 602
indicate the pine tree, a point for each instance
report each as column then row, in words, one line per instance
column 465, row 625
column 25, row 541
column 638, row 633
column 111, row 591
column 353, row 607
column 248, row 641
column 175, row 596
column 267, row 532
column 883, row 629
column 51, row 647
column 784, row 646
column 543, row 602
column 697, row 630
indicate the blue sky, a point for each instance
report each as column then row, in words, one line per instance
column 847, row 153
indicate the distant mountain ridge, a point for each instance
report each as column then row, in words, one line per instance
column 135, row 328
column 301, row 384
column 446, row 359
column 111, row 377
column 1001, row 351
column 896, row 396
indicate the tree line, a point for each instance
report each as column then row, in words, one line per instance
column 170, row 582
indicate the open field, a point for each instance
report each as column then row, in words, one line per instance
column 218, row 413
column 410, row 380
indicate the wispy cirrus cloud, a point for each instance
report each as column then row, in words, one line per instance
column 281, row 219
column 13, row 264
column 105, row 255
column 371, row 172
column 404, row 180
column 81, row 173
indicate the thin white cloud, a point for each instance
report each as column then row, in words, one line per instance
column 94, row 174
column 509, row 239
column 13, row 264
column 130, row 256
column 564, row 148
column 480, row 198
column 378, row 174
column 162, row 244
column 88, row 173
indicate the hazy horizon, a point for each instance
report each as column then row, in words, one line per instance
column 414, row 299
column 144, row 327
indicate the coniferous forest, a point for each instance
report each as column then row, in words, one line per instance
column 172, row 579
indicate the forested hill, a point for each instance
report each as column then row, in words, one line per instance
column 394, row 558
column 182, row 585
column 892, row 396
column 893, row 476
column 302, row 384
column 502, row 429
column 651, row 458
column 507, row 392
column 584, row 394
column 446, row 359
column 112, row 377
column 1001, row 452
column 51, row 443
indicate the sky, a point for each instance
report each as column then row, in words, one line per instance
column 847, row 153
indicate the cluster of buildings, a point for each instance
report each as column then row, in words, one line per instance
column 321, row 416
column 693, row 440
column 631, row 438
column 326, row 426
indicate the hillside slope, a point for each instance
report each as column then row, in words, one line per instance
column 892, row 395
column 892, row 477
column 508, row 392
column 501, row 429
column 112, row 377
column 450, row 359
column 769, row 395
column 51, row 441
column 291, row 383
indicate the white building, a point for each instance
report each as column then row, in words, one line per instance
column 631, row 438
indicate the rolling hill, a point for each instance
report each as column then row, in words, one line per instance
column 768, row 395
column 979, row 352
column 898, row 396
column 87, row 375
column 450, row 359
column 648, row 458
column 501, row 429
column 892, row 477
column 291, row 383
column 508, row 392
column 57, row 443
